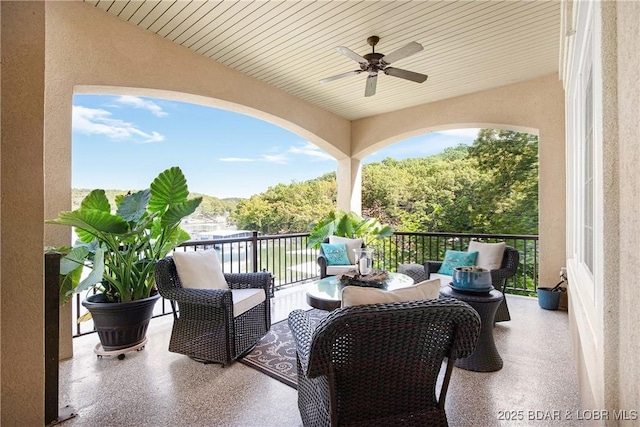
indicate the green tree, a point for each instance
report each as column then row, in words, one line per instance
column 490, row 187
column 510, row 160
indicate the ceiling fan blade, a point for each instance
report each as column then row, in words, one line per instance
column 351, row 54
column 370, row 89
column 404, row 74
column 403, row 52
column 339, row 76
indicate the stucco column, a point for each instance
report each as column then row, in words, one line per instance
column 349, row 181
column 22, row 46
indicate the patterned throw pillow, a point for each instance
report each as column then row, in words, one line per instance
column 335, row 253
column 453, row 259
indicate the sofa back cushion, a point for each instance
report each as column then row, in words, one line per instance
column 357, row 295
column 200, row 270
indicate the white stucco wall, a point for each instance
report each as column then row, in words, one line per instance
column 627, row 347
column 604, row 321
column 21, row 227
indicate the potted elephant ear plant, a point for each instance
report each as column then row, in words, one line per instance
column 348, row 224
column 121, row 250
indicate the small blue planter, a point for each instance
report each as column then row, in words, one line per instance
column 547, row 299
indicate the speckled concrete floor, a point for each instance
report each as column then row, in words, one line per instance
column 536, row 387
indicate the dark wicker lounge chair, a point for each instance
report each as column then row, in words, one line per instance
column 378, row 364
column 510, row 261
column 204, row 327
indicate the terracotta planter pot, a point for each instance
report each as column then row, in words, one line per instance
column 120, row 325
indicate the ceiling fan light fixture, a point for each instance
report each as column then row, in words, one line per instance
column 374, row 62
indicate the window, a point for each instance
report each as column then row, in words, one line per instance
column 584, row 152
column 587, row 178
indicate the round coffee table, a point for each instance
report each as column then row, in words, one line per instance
column 325, row 293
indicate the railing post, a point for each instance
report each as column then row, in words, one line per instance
column 52, row 413
column 254, row 240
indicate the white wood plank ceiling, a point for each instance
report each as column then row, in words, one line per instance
column 469, row 46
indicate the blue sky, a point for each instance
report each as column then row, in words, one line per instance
column 123, row 142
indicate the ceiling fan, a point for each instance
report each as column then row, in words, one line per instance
column 373, row 62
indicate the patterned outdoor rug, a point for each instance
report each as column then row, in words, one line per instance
column 275, row 353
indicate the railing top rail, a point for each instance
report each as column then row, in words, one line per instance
column 489, row 236
column 282, row 236
column 243, row 239
column 215, row 241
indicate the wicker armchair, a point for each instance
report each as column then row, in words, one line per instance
column 378, row 364
column 323, row 264
column 510, row 262
column 204, row 326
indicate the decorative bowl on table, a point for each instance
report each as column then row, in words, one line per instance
column 374, row 279
column 472, row 279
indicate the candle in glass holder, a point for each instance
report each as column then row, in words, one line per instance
column 364, row 260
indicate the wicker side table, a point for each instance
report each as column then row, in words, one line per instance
column 486, row 357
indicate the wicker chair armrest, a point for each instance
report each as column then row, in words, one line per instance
column 509, row 265
column 210, row 297
column 432, row 267
column 302, row 333
column 260, row 280
column 322, row 263
column 469, row 331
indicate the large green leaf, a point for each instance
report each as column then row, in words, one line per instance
column 173, row 239
column 97, row 200
column 133, row 206
column 321, row 232
column 175, row 213
column 73, row 260
column 347, row 226
column 96, row 274
column 92, row 221
column 68, row 284
column 168, row 189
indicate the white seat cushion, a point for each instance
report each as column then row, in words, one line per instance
column 245, row 299
column 334, row 270
column 351, row 245
column 357, row 295
column 200, row 270
column 489, row 254
column 443, row 278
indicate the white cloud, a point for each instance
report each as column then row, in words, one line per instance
column 236, row 159
column 94, row 121
column 268, row 158
column 467, row 133
column 311, row 150
column 145, row 104
column 275, row 158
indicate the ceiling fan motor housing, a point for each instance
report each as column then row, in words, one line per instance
column 374, row 62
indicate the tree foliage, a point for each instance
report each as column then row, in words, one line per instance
column 489, row 187
column 288, row 208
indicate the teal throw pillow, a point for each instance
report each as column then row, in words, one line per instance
column 453, row 259
column 335, row 253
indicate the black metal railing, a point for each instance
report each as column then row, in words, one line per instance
column 405, row 247
column 291, row 262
